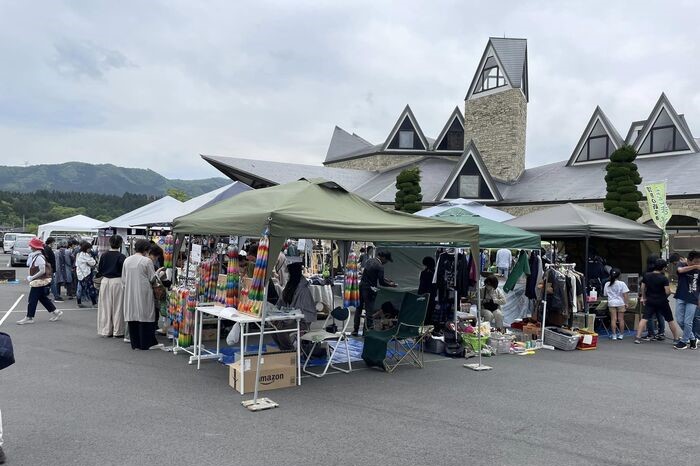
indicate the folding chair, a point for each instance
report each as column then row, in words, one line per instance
column 406, row 338
column 339, row 314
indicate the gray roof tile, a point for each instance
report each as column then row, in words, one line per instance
column 343, row 143
column 262, row 172
column 513, row 56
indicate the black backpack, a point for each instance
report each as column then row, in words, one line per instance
column 7, row 354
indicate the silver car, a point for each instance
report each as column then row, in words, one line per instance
column 20, row 252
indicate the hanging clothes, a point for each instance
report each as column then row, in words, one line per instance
column 522, row 266
column 534, row 277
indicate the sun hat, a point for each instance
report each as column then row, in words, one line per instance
column 36, row 243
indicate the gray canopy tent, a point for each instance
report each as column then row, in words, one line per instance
column 322, row 209
column 570, row 221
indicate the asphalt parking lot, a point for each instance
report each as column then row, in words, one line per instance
column 73, row 398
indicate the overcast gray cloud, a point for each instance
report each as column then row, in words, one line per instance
column 153, row 84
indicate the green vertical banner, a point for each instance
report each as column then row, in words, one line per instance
column 658, row 209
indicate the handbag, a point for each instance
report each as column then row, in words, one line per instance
column 7, row 353
column 97, row 280
column 159, row 290
column 44, row 280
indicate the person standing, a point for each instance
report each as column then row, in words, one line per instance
column 51, row 259
column 617, row 293
column 64, row 270
column 110, row 307
column 138, row 276
column 687, row 299
column 426, row 286
column 39, row 279
column 655, row 291
column 372, row 278
column 504, row 259
column 84, row 263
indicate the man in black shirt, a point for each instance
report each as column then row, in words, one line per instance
column 51, row 259
column 654, row 298
column 372, row 278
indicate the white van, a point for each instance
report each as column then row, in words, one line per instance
column 9, row 240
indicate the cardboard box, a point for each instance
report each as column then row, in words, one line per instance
column 271, row 377
column 270, row 359
column 209, row 334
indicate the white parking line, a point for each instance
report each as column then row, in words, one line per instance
column 11, row 309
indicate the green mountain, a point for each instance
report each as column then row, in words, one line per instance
column 101, row 179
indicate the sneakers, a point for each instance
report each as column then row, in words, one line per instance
column 620, row 336
column 56, row 315
column 647, row 338
column 638, row 341
column 660, row 338
column 2, row 456
column 613, row 336
column 26, row 320
column 680, row 345
column 693, row 344
column 58, row 299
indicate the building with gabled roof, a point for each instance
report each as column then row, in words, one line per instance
column 479, row 154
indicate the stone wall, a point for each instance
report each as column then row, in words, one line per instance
column 497, row 124
column 687, row 207
column 375, row 162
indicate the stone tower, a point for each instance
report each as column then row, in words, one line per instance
column 495, row 108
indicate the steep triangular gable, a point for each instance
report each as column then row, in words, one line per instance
column 665, row 132
column 406, row 123
column 470, row 179
column 598, row 141
column 450, row 133
column 343, row 143
column 510, row 56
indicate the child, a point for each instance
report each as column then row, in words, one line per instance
column 617, row 293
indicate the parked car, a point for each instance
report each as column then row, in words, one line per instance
column 20, row 251
column 9, row 239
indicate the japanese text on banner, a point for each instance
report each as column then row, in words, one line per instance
column 658, row 209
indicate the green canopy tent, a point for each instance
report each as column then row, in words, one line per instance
column 317, row 208
column 408, row 262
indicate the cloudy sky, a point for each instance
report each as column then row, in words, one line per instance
column 153, row 84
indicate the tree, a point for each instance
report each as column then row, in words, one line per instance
column 178, row 194
column 408, row 194
column 622, row 198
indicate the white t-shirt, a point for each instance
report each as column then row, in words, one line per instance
column 615, row 293
column 504, row 258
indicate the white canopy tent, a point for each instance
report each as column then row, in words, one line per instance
column 77, row 224
column 470, row 206
column 153, row 213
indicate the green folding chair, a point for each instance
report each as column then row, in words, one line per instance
column 404, row 342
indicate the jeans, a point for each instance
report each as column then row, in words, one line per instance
column 685, row 315
column 651, row 330
column 367, row 297
column 504, row 271
column 39, row 295
column 696, row 323
column 55, row 290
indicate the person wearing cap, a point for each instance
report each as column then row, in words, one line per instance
column 372, row 278
column 38, row 291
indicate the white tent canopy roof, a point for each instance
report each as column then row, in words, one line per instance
column 74, row 224
column 214, row 196
column 161, row 211
column 469, row 206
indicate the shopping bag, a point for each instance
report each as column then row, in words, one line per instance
column 7, row 354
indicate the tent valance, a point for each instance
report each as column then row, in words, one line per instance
column 574, row 221
column 318, row 208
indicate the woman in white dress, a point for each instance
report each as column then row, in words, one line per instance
column 138, row 276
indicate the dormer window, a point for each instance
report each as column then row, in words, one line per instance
column 598, row 146
column 406, row 139
column 491, row 77
column 663, row 137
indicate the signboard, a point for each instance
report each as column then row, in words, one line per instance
column 658, row 209
column 196, row 254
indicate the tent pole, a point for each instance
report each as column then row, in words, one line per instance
column 585, row 285
column 456, row 306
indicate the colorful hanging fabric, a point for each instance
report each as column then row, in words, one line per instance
column 256, row 294
column 351, row 290
column 168, row 249
column 232, row 278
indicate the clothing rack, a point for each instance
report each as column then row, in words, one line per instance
column 559, row 266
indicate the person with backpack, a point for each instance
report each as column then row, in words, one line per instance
column 617, row 292
column 39, row 280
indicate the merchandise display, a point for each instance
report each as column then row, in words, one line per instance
column 232, row 278
column 208, row 277
column 168, row 248
column 256, row 293
column 351, row 290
